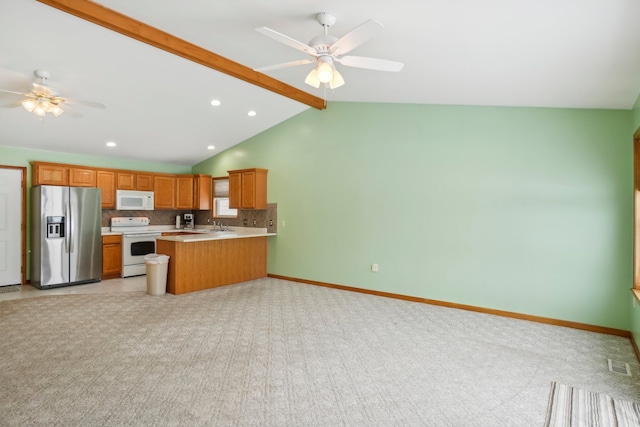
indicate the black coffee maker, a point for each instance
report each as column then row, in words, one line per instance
column 188, row 221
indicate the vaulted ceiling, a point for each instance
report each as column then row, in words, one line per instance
column 540, row 53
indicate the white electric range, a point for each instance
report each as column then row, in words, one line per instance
column 137, row 241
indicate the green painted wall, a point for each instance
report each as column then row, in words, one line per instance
column 517, row 209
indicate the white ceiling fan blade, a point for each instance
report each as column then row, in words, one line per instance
column 86, row 103
column 71, row 112
column 13, row 104
column 356, row 37
column 17, row 93
column 370, row 63
column 286, row 40
column 284, row 65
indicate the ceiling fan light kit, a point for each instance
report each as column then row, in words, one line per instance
column 42, row 99
column 327, row 50
column 41, row 106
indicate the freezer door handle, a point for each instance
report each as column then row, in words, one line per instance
column 70, row 237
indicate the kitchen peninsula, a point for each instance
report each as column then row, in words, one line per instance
column 214, row 258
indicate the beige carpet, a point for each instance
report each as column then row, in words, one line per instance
column 276, row 353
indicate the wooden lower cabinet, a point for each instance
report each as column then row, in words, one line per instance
column 111, row 256
column 198, row 265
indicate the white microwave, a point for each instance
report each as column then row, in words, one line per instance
column 128, row 200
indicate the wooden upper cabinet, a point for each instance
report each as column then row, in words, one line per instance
column 164, row 189
column 126, row 181
column 135, row 181
column 235, row 190
column 248, row 189
column 80, row 177
column 184, row 192
column 106, row 181
column 144, row 181
column 49, row 174
column 187, row 192
column 202, row 192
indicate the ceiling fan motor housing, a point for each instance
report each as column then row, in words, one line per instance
column 322, row 43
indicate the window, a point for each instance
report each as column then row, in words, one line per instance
column 221, row 208
column 221, row 199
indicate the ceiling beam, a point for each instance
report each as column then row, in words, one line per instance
column 135, row 29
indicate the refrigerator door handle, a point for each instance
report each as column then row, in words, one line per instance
column 70, row 227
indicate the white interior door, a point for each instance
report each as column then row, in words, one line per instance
column 10, row 227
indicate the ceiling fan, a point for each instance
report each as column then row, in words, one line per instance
column 327, row 50
column 42, row 99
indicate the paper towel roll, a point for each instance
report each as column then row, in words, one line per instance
column 177, row 221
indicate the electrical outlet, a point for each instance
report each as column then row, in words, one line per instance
column 245, row 222
column 283, row 223
column 270, row 223
column 255, row 222
column 374, row 268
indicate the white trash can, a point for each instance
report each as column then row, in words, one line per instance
column 156, row 266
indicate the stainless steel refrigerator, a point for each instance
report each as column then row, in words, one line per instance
column 66, row 236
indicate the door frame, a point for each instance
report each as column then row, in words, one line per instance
column 23, row 220
column 636, row 210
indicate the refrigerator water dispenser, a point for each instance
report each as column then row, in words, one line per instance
column 55, row 227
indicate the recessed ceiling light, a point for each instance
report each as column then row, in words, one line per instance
column 111, row 144
column 211, row 147
column 215, row 102
column 251, row 113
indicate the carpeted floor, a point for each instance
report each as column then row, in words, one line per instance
column 277, row 353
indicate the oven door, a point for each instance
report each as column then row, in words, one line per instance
column 134, row 249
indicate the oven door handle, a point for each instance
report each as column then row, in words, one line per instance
column 133, row 236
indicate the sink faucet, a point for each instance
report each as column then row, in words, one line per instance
column 219, row 223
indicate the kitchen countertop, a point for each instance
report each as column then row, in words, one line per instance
column 204, row 234
column 200, row 233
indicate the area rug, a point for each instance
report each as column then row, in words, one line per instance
column 573, row 407
column 9, row 288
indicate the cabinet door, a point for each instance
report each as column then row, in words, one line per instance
column 260, row 189
column 235, row 190
column 164, row 188
column 248, row 189
column 45, row 174
column 82, row 177
column 111, row 256
column 184, row 192
column 126, row 181
column 202, row 192
column 106, row 181
column 248, row 200
column 144, row 182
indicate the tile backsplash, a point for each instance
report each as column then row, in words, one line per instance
column 246, row 218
